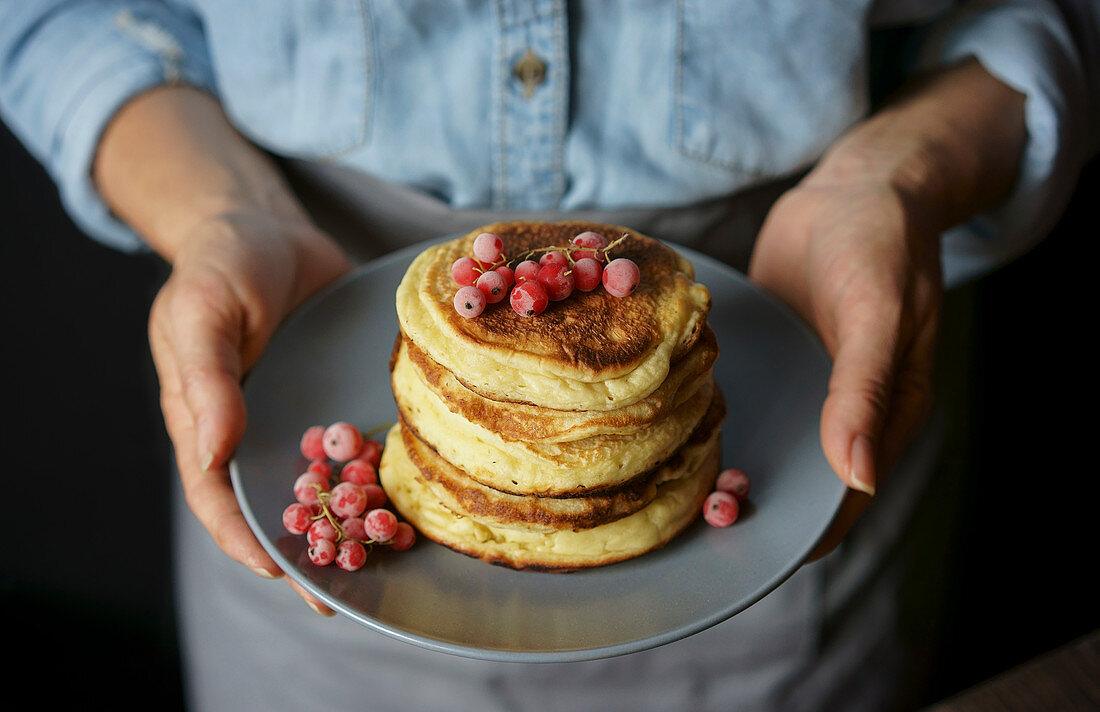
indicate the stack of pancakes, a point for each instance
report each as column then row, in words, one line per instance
column 582, row 436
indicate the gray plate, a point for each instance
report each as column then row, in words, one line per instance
column 329, row 362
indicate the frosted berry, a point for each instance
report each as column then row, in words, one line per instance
column 320, row 467
column 312, row 445
column 734, row 481
column 529, row 299
column 526, row 271
column 720, row 509
column 469, row 302
column 621, row 277
column 358, row 472
column 493, row 286
column 557, row 280
column 347, row 500
column 322, row 552
column 353, row 528
column 307, row 486
column 350, row 555
column 509, row 276
column 380, row 524
column 555, row 257
column 594, row 242
column 487, row 247
column 321, row 529
column 371, row 452
column 297, row 518
column 404, row 537
column 343, row 441
column 465, row 271
column 587, row 273
column 376, row 496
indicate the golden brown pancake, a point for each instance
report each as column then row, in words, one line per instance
column 675, row 506
column 591, row 351
column 463, row 495
column 521, row 421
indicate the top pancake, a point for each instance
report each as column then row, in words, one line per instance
column 591, row 351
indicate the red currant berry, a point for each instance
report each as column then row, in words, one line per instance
column 297, row 518
column 554, row 257
column 465, row 271
column 347, row 499
column 358, row 472
column 321, row 529
column 526, row 271
column 353, row 528
column 322, row 552
column 587, row 273
column 381, row 524
column 343, row 441
column 720, row 509
column 734, row 481
column 308, row 485
column 371, row 452
column 469, row 302
column 321, row 467
column 509, row 276
column 529, row 299
column 493, row 286
column 487, row 247
column 594, row 242
column 376, row 496
column 557, row 280
column 404, row 537
column 350, row 555
column 621, row 277
column 312, row 445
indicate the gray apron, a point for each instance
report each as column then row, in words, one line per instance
column 832, row 637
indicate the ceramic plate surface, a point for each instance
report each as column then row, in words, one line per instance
column 329, row 362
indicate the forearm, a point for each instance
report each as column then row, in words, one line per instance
column 950, row 145
column 170, row 160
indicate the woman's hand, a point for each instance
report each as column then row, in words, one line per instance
column 243, row 254
column 233, row 280
column 855, row 262
column 854, row 249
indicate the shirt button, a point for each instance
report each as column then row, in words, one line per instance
column 530, row 71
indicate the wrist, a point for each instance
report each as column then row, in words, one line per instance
column 949, row 146
column 170, row 162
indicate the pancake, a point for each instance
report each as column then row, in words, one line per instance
column 459, row 493
column 519, row 421
column 536, row 467
column 591, row 351
column 675, row 506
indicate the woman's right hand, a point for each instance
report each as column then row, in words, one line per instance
column 234, row 278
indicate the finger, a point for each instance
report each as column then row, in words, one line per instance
column 206, row 345
column 311, row 600
column 911, row 400
column 859, row 394
column 850, row 510
column 209, row 494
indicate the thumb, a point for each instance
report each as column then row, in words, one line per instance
column 857, row 404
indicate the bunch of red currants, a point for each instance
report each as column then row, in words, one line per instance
column 339, row 504
column 487, row 277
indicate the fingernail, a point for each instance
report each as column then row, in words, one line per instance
column 861, row 465
column 263, row 572
column 207, row 461
column 318, row 610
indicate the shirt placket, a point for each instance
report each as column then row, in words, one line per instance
column 531, row 95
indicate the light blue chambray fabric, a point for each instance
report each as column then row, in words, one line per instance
column 644, row 102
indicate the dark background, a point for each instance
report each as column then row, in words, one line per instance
column 85, row 578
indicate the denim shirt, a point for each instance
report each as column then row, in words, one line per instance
column 536, row 104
